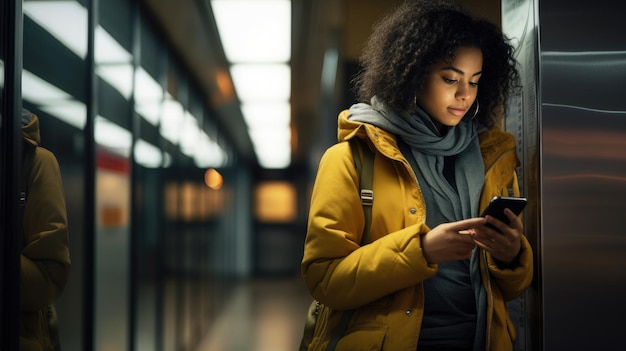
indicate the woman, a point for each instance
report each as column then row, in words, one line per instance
column 433, row 276
column 45, row 256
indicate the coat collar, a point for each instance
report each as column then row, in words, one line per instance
column 495, row 143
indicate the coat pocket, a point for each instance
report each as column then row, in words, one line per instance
column 368, row 327
column 363, row 339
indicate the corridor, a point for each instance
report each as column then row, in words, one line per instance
column 260, row 315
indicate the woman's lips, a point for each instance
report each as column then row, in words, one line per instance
column 457, row 111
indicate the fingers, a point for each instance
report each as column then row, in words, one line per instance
column 500, row 248
column 485, row 241
column 503, row 243
column 466, row 224
column 514, row 224
column 514, row 220
column 443, row 243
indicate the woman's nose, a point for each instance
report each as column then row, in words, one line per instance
column 463, row 91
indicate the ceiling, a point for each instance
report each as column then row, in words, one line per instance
column 317, row 26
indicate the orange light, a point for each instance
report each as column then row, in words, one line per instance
column 225, row 89
column 112, row 216
column 276, row 202
column 213, row 179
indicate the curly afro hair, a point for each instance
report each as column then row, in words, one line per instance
column 416, row 35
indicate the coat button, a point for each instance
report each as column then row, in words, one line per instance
column 408, row 313
column 413, row 211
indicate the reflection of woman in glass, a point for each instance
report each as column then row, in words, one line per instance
column 433, row 276
column 45, row 258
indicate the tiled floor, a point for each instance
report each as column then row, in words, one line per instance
column 263, row 315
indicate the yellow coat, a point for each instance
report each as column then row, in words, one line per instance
column 45, row 258
column 383, row 279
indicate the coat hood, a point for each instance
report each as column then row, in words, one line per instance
column 382, row 140
column 346, row 129
column 492, row 141
column 492, row 144
column 30, row 130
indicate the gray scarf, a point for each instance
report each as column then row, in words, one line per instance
column 429, row 147
column 444, row 203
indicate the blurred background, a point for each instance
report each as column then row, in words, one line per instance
column 188, row 134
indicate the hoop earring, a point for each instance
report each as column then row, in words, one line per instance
column 475, row 111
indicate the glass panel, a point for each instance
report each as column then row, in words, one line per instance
column 54, row 87
column 4, row 312
column 113, row 136
column 147, row 174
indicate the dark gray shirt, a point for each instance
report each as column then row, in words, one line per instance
column 449, row 307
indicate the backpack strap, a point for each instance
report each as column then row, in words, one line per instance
column 365, row 167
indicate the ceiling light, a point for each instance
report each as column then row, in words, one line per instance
column 147, row 154
column 254, row 30
column 112, row 136
column 256, row 37
column 267, row 115
column 262, row 82
column 53, row 15
column 172, row 120
column 53, row 100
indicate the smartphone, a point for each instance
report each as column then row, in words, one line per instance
column 499, row 203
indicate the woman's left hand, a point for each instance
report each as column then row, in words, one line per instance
column 504, row 245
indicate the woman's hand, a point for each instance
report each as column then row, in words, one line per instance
column 450, row 241
column 504, row 245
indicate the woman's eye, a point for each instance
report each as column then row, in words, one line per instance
column 449, row 81
column 473, row 84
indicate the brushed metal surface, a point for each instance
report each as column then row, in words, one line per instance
column 583, row 122
column 579, row 84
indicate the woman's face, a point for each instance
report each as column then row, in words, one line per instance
column 450, row 88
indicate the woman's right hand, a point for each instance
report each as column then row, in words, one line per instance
column 450, row 241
